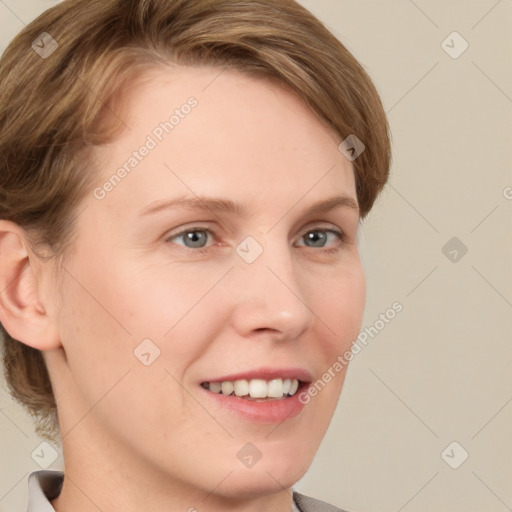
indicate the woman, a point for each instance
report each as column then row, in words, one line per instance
column 182, row 183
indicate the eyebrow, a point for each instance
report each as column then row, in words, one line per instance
column 219, row 205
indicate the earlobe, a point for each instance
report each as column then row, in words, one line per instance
column 22, row 313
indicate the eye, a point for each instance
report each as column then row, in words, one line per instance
column 318, row 238
column 197, row 238
column 193, row 238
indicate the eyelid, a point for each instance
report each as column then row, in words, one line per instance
column 323, row 225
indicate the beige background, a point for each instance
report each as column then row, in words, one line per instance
column 440, row 370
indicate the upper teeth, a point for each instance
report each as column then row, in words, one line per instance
column 255, row 388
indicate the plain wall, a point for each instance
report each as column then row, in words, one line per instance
column 439, row 371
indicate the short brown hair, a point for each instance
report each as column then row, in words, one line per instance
column 53, row 109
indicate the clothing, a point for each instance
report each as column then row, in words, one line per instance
column 45, row 485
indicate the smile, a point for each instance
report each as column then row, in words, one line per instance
column 255, row 389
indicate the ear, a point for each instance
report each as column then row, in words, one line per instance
column 22, row 312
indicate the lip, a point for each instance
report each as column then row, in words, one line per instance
column 271, row 411
column 266, row 374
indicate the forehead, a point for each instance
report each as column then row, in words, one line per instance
column 211, row 130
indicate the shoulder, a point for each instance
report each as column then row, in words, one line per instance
column 308, row 504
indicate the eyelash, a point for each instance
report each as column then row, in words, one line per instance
column 204, row 250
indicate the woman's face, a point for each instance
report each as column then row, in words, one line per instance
column 243, row 282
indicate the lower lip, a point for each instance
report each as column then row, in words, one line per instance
column 271, row 411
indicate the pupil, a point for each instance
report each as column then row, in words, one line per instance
column 195, row 237
column 319, row 236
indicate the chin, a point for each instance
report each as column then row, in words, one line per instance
column 276, row 470
column 247, row 484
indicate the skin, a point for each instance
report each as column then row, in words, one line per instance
column 139, row 437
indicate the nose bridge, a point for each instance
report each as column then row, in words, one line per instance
column 272, row 294
column 267, row 258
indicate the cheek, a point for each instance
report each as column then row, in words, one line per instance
column 106, row 313
column 158, row 298
column 340, row 306
column 95, row 335
column 109, row 310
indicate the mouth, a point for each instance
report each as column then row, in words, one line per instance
column 262, row 396
column 259, row 390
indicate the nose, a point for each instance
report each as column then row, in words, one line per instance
column 272, row 298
